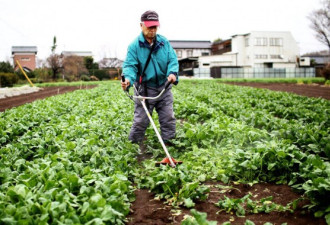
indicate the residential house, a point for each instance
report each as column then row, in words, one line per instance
column 188, row 53
column 25, row 55
column 253, row 55
column 185, row 49
column 258, row 49
column 317, row 59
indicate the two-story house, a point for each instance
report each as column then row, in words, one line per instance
column 25, row 55
column 188, row 53
column 272, row 52
column 258, row 49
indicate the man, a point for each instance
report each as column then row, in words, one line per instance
column 163, row 66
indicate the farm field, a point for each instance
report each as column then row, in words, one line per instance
column 251, row 156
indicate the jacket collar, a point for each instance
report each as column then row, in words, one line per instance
column 144, row 43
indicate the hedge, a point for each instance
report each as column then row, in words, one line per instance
column 8, row 79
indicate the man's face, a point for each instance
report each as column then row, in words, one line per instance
column 149, row 32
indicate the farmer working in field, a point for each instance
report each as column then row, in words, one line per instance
column 162, row 66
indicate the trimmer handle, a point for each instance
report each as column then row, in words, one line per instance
column 123, row 80
column 167, row 84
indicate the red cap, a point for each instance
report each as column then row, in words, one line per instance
column 150, row 19
column 151, row 23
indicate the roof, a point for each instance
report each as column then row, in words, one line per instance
column 222, row 41
column 320, row 59
column 77, row 53
column 24, row 49
column 190, row 44
column 189, row 59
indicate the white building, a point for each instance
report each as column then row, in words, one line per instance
column 257, row 49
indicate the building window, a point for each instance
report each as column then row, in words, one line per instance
column 179, row 53
column 205, row 53
column 25, row 59
column 261, row 56
column 275, row 57
column 276, row 41
column 246, row 42
column 259, row 41
column 189, row 53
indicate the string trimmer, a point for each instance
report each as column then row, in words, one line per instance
column 167, row 160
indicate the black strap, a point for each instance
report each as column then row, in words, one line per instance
column 144, row 69
column 148, row 60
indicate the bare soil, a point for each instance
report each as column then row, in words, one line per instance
column 309, row 90
column 147, row 210
column 10, row 102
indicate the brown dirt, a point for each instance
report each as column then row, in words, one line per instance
column 309, row 90
column 15, row 101
column 147, row 210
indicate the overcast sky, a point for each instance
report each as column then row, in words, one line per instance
column 106, row 27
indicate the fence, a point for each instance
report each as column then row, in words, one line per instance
column 218, row 72
column 202, row 72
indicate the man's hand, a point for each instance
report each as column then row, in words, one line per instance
column 171, row 78
column 125, row 84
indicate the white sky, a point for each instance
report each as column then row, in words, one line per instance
column 106, row 27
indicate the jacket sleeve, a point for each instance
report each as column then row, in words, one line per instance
column 130, row 65
column 173, row 65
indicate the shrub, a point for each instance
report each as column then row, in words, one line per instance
column 326, row 72
column 21, row 76
column 101, row 74
column 85, row 78
column 5, row 67
column 94, row 78
column 8, row 79
column 43, row 74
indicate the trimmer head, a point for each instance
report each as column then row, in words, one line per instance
column 166, row 161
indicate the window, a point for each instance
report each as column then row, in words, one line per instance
column 261, row 56
column 276, row 41
column 25, row 59
column 260, row 41
column 275, row 57
column 205, row 53
column 189, row 53
column 179, row 53
column 246, row 42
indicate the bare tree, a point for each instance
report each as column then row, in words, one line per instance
column 55, row 64
column 54, row 60
column 110, row 63
column 74, row 67
column 320, row 23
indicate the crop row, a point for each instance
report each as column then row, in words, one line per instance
column 220, row 137
column 65, row 160
column 249, row 106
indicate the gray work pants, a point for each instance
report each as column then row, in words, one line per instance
column 164, row 108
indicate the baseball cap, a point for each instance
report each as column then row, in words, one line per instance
column 150, row 18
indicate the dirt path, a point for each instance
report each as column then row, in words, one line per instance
column 309, row 90
column 147, row 210
column 15, row 101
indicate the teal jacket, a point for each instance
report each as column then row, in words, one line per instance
column 163, row 61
